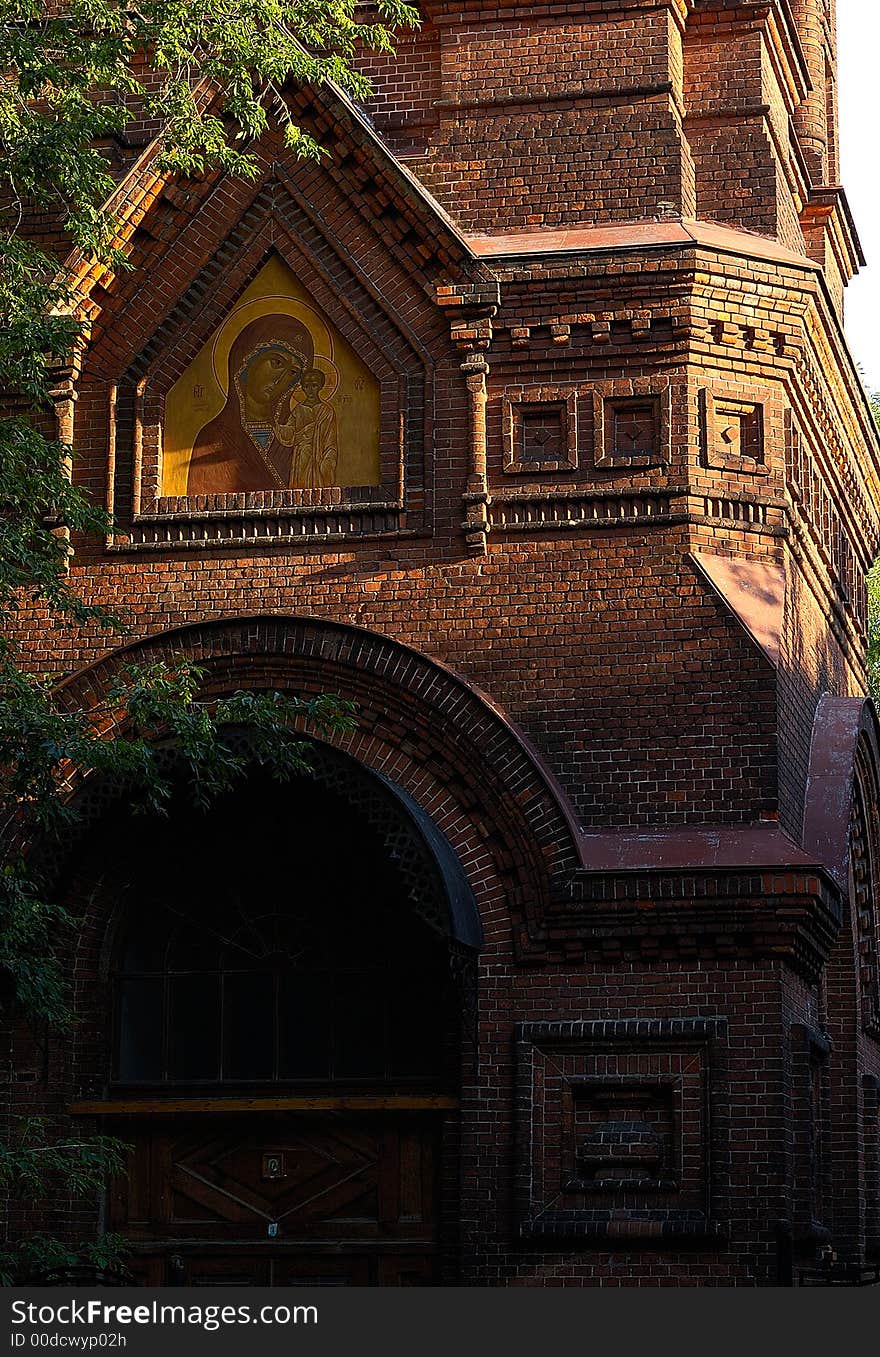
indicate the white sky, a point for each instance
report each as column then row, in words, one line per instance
column 858, row 23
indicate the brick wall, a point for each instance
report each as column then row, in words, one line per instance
column 583, row 390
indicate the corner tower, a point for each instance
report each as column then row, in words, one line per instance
column 672, row 411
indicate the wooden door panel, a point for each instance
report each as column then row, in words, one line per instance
column 318, row 1270
column 235, row 1271
column 297, row 1178
column 325, row 1177
column 407, row 1270
column 417, row 1176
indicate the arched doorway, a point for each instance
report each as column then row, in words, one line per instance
column 289, row 976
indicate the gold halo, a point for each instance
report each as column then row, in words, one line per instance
column 255, row 309
column 328, row 390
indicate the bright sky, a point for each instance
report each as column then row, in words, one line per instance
column 858, row 23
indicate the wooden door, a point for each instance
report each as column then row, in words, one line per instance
column 282, row 1199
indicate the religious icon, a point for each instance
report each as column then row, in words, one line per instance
column 311, row 434
column 273, row 1167
column 276, row 399
column 239, row 448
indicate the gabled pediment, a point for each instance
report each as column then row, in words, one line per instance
column 281, row 397
column 154, row 209
column 325, row 275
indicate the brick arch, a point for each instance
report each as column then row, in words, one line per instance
column 430, row 732
column 845, row 737
column 842, row 830
column 864, row 875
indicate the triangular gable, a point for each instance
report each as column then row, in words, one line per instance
column 383, row 190
column 369, row 270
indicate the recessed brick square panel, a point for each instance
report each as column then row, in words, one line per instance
column 630, row 431
column 623, row 1133
column 614, row 1130
column 733, row 434
column 540, row 430
column 542, row 433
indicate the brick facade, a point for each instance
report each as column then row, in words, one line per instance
column 604, row 615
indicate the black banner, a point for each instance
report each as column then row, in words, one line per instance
column 194, row 1322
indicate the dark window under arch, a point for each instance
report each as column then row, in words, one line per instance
column 272, row 941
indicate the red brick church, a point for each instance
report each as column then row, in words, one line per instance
column 527, row 422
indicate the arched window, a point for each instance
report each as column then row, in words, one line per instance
column 254, row 956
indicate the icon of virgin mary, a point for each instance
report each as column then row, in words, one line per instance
column 239, row 449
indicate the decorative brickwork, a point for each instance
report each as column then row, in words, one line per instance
column 541, row 430
column 630, row 431
column 615, row 1130
column 733, row 433
column 865, row 897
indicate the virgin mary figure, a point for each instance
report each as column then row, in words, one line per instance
column 239, row 449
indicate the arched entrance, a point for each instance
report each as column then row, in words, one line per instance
column 289, row 974
column 443, row 778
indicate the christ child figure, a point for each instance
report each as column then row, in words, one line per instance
column 310, row 433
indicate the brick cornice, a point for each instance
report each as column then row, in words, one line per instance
column 829, row 206
column 788, row 915
column 334, row 115
column 445, row 13
column 635, row 235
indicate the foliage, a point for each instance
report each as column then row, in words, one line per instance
column 874, row 632
column 26, row 1161
column 73, row 75
column 874, row 595
column 874, row 398
column 40, row 1253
